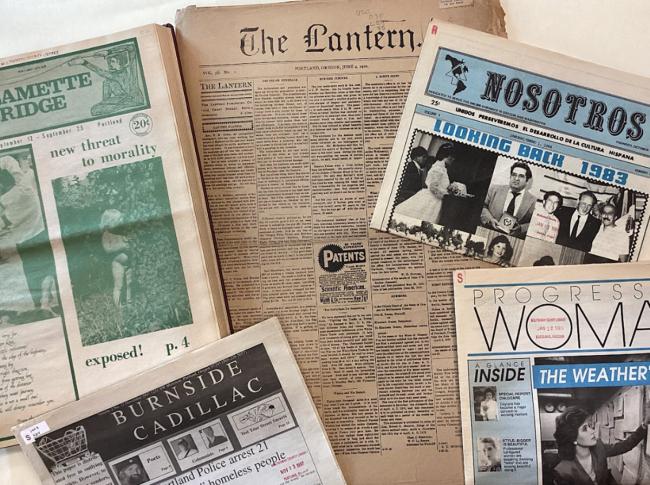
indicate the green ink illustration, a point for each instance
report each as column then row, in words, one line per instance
column 121, row 86
column 122, row 252
column 27, row 272
column 72, row 88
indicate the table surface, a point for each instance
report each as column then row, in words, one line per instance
column 593, row 30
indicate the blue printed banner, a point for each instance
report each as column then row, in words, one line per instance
column 591, row 375
column 565, row 108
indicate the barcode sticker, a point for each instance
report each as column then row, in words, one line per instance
column 30, row 434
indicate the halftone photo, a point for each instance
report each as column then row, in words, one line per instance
column 27, row 273
column 213, row 435
column 607, row 425
column 486, row 407
column 453, row 195
column 131, row 472
column 489, row 454
column 122, row 251
column 184, row 447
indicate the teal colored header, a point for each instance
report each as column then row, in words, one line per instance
column 539, row 100
column 72, row 88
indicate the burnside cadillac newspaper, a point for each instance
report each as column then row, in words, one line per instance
column 235, row 411
column 519, row 156
column 554, row 373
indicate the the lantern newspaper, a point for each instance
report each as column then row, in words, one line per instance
column 295, row 107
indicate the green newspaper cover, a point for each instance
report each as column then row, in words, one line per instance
column 105, row 267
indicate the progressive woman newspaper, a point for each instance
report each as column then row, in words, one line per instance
column 234, row 412
column 107, row 265
column 554, row 371
column 518, row 156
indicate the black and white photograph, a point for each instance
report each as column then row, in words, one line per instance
column 184, row 447
column 486, row 407
column 510, row 202
column 440, row 236
column 595, row 218
column 455, row 196
column 213, row 435
column 615, row 232
column 488, row 450
column 601, row 223
column 592, row 434
column 131, row 472
column 444, row 182
column 544, row 224
column 500, row 248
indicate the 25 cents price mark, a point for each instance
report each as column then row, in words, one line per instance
column 597, row 171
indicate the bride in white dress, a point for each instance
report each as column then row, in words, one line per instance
column 426, row 204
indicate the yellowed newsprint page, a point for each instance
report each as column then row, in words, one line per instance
column 555, row 374
column 519, row 156
column 235, row 411
column 106, row 260
column 295, row 108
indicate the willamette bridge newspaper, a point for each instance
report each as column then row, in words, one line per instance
column 107, row 265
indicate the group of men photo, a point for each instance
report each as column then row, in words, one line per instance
column 570, row 211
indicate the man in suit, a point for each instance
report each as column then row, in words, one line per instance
column 415, row 174
column 512, row 199
column 578, row 227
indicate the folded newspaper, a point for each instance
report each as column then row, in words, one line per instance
column 107, row 265
column 555, row 374
column 519, row 156
column 235, row 411
column 295, row 107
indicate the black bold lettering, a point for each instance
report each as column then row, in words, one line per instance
column 552, row 103
column 532, row 103
column 514, row 91
column 574, row 101
column 595, row 119
column 493, row 86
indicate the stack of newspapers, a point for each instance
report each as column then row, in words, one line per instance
column 162, row 188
